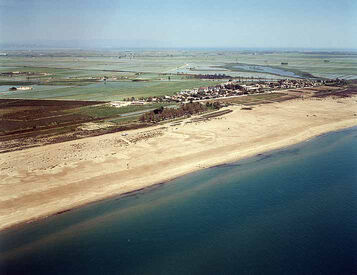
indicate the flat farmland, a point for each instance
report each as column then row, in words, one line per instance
column 78, row 75
column 18, row 116
column 326, row 65
column 109, row 91
column 28, row 123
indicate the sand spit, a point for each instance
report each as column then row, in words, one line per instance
column 42, row 181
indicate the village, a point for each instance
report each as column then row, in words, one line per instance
column 230, row 88
column 235, row 88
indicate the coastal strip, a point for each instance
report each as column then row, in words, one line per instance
column 43, row 181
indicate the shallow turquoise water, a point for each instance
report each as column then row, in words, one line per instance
column 293, row 211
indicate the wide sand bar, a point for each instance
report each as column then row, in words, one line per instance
column 42, row 181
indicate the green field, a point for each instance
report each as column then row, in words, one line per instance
column 109, row 92
column 76, row 75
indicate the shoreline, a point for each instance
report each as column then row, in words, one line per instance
column 67, row 186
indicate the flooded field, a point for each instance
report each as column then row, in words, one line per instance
column 265, row 69
column 77, row 75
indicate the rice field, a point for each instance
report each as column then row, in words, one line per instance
column 76, row 75
column 109, row 91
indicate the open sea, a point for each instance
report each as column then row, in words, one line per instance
column 291, row 211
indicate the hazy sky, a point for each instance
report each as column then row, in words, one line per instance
column 181, row 23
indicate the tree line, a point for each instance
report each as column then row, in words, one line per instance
column 186, row 109
column 212, row 76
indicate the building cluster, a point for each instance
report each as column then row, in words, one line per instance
column 22, row 88
column 229, row 89
column 234, row 88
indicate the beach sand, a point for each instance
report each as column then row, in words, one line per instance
column 42, row 181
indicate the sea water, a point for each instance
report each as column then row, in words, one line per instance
column 291, row 211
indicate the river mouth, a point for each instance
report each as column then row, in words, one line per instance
column 241, row 67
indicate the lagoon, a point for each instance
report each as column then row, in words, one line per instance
column 265, row 69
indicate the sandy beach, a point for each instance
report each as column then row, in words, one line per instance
column 42, row 181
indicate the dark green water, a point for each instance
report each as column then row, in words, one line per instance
column 293, row 211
